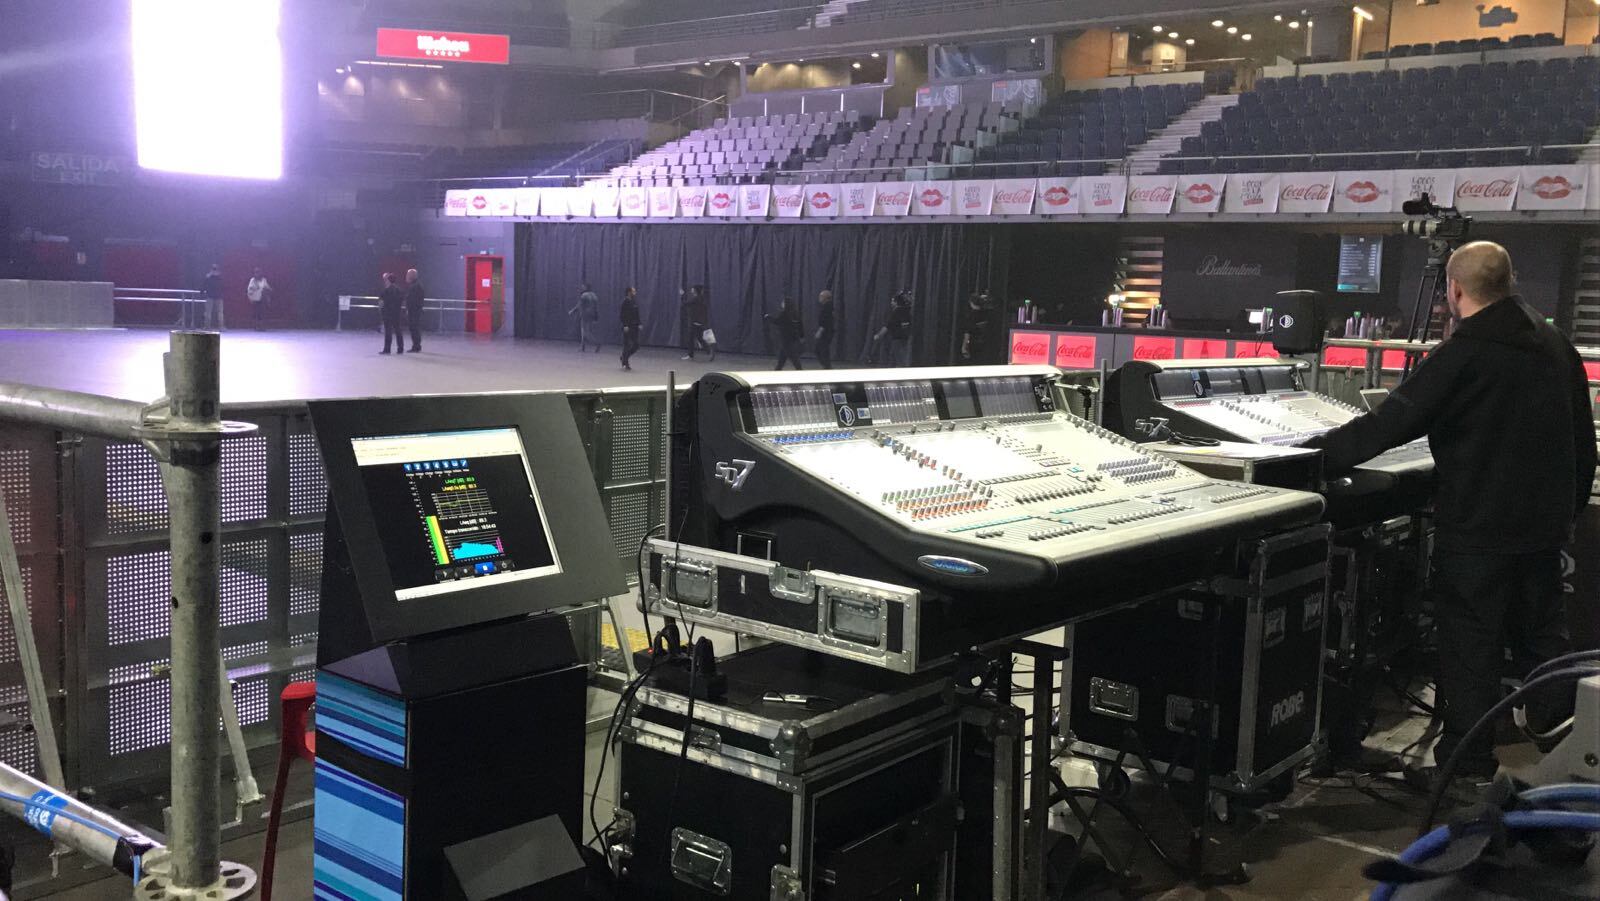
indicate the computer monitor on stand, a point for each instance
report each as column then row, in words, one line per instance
column 450, row 697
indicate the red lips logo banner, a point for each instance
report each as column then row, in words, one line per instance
column 822, row 203
column 934, row 198
column 1058, row 196
column 1152, row 195
column 1363, row 192
column 635, row 202
column 1487, row 188
column 1554, row 188
column 1030, row 347
column 1199, row 193
column 456, row 202
column 723, row 202
column 480, row 202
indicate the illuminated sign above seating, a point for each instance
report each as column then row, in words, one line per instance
column 444, row 46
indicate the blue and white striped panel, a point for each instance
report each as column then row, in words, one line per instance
column 360, row 839
column 366, row 720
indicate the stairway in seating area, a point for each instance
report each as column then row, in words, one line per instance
column 1146, row 158
column 831, row 10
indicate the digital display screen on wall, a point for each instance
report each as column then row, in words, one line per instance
column 1360, row 264
column 455, row 510
column 208, row 87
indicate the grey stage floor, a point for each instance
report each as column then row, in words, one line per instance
column 304, row 365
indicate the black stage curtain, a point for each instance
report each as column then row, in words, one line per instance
column 748, row 269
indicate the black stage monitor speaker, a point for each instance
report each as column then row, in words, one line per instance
column 1297, row 322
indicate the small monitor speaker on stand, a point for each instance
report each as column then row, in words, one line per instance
column 1297, row 319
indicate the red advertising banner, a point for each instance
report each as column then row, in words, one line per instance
column 1030, row 347
column 934, row 198
column 1554, row 188
column 1344, row 356
column 1205, row 349
column 1246, row 350
column 1305, row 192
column 1363, row 192
column 723, row 201
column 1593, row 368
column 1152, row 194
column 444, row 46
column 1487, row 188
column 1394, row 360
column 1148, row 348
column 1077, row 351
column 635, row 202
column 1199, row 193
column 1057, row 196
column 822, row 202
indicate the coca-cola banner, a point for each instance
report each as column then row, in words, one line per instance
column 822, row 201
column 1305, row 192
column 1554, row 188
column 1013, row 197
column 527, row 202
column 455, row 202
column 1057, row 196
column 933, row 198
column 1103, row 195
column 974, row 198
column 893, row 199
column 859, row 198
column 1363, row 192
column 692, row 201
column 1151, row 348
column 1487, row 188
column 1439, row 184
column 1152, row 195
column 754, row 201
column 606, row 199
column 1030, row 347
column 1255, row 192
column 635, row 202
column 1250, row 350
column 1077, row 351
column 663, row 202
column 790, row 200
column 722, row 201
column 1199, row 193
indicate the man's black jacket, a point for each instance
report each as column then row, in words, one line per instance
column 1504, row 403
column 414, row 298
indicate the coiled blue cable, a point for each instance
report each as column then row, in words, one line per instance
column 1430, row 845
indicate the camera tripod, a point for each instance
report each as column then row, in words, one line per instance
column 1430, row 292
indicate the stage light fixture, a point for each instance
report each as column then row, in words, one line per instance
column 1033, row 40
column 855, row 65
column 240, row 98
column 1245, row 36
column 876, row 54
column 1277, row 18
column 1295, row 24
column 1216, row 23
column 1233, row 29
column 1156, row 28
column 1173, row 35
column 1189, row 41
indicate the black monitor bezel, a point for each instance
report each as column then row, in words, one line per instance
column 562, row 478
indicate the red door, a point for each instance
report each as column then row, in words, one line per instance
column 485, row 282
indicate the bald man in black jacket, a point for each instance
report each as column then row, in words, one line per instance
column 1504, row 403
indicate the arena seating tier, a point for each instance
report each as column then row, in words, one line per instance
column 916, row 137
column 1099, row 124
column 665, row 21
column 1403, row 118
column 1469, row 45
column 744, row 149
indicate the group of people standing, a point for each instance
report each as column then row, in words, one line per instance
column 891, row 343
column 400, row 307
column 258, row 291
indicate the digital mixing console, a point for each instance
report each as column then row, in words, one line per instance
column 1256, row 401
column 902, row 516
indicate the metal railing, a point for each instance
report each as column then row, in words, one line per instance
column 191, row 309
column 435, row 305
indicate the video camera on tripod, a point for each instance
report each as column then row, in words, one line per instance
column 1441, row 223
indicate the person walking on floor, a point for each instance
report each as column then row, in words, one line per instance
column 630, row 325
column 588, row 310
column 414, row 300
column 259, row 292
column 211, row 290
column 822, row 340
column 696, row 324
column 895, row 335
column 391, row 304
column 1504, row 404
column 790, row 332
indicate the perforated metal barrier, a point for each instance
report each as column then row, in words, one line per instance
column 90, row 520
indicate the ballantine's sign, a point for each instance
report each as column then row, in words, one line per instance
column 1211, row 266
column 405, row 43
